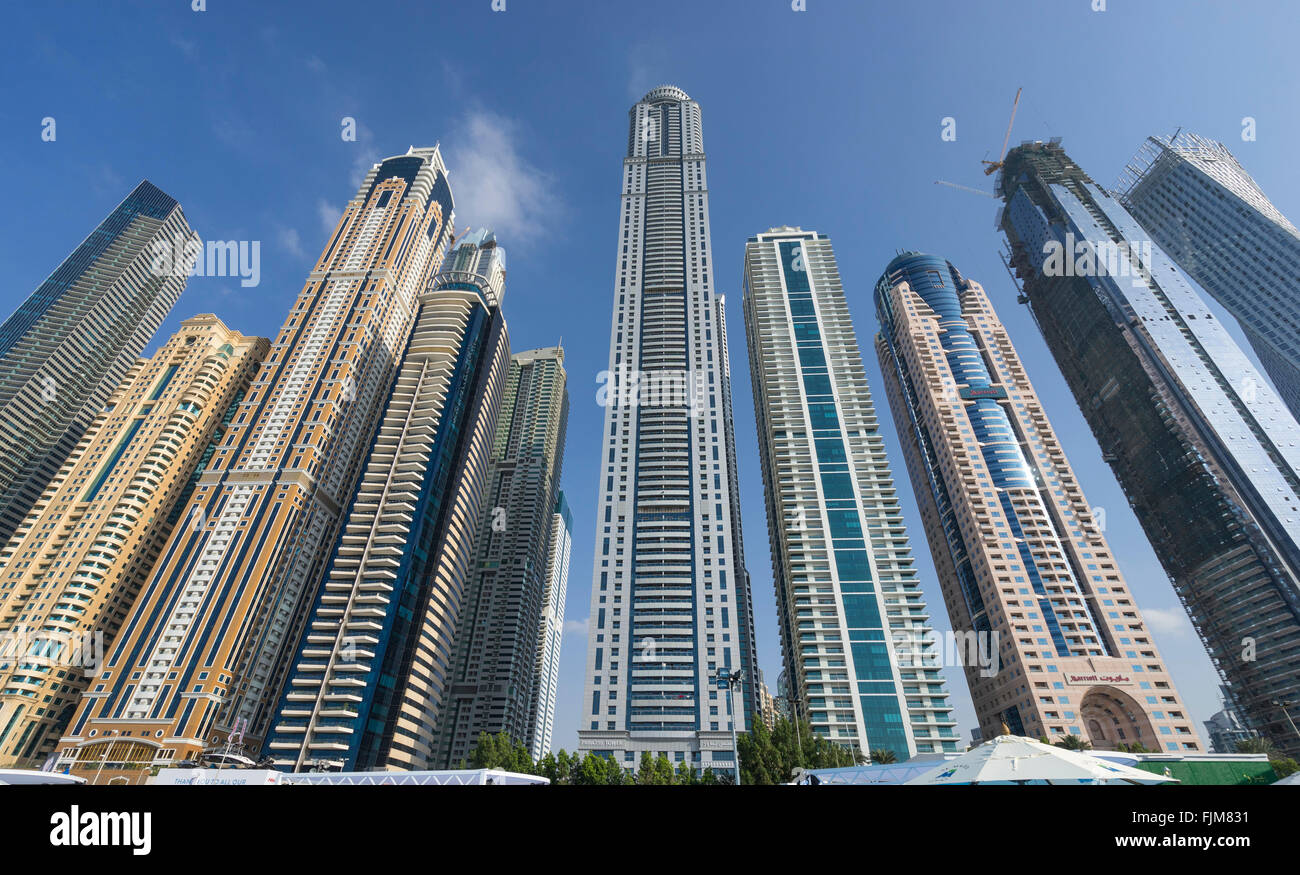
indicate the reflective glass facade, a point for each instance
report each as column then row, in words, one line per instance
column 846, row 588
column 1207, row 455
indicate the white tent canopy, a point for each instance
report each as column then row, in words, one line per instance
column 31, row 776
column 1009, row 759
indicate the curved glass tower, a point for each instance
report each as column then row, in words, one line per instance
column 669, row 599
column 1025, row 567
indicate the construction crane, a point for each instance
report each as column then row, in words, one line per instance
column 995, row 166
column 964, row 188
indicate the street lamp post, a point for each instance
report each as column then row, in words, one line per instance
column 1283, row 704
column 729, row 681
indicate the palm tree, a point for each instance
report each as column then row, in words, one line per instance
column 1258, row 744
column 1074, row 742
column 883, row 756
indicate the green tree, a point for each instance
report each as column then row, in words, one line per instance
column 1283, row 766
column 708, row 777
column 646, row 774
column 883, row 756
column 663, row 771
column 685, row 774
column 483, row 756
column 563, row 767
column 547, row 769
column 1074, row 742
column 591, row 771
column 771, row 757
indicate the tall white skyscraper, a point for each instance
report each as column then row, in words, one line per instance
column 670, row 605
column 551, row 629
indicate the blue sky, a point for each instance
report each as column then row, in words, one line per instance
column 829, row 119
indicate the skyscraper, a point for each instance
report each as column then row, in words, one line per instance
column 206, row 652
column 369, row 684
column 1202, row 208
column 494, row 664
column 551, row 631
column 1207, row 455
column 66, row 348
column 669, row 602
column 1059, row 646
column 70, row 574
column 830, row 495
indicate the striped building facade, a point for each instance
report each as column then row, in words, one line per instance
column 370, row 673
column 1061, row 647
column 69, row 576
column 670, row 603
column 495, row 664
column 68, row 346
column 204, row 653
column 551, row 633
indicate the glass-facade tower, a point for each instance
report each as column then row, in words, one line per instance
column 210, row 641
column 72, row 571
column 370, row 676
column 494, row 661
column 1207, row 455
column 852, row 617
column 550, row 633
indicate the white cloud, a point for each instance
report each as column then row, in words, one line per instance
column 494, row 185
column 290, row 241
column 576, row 627
column 329, row 215
column 186, row 47
column 1167, row 621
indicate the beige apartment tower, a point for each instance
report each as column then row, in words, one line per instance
column 72, row 570
column 1059, row 645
